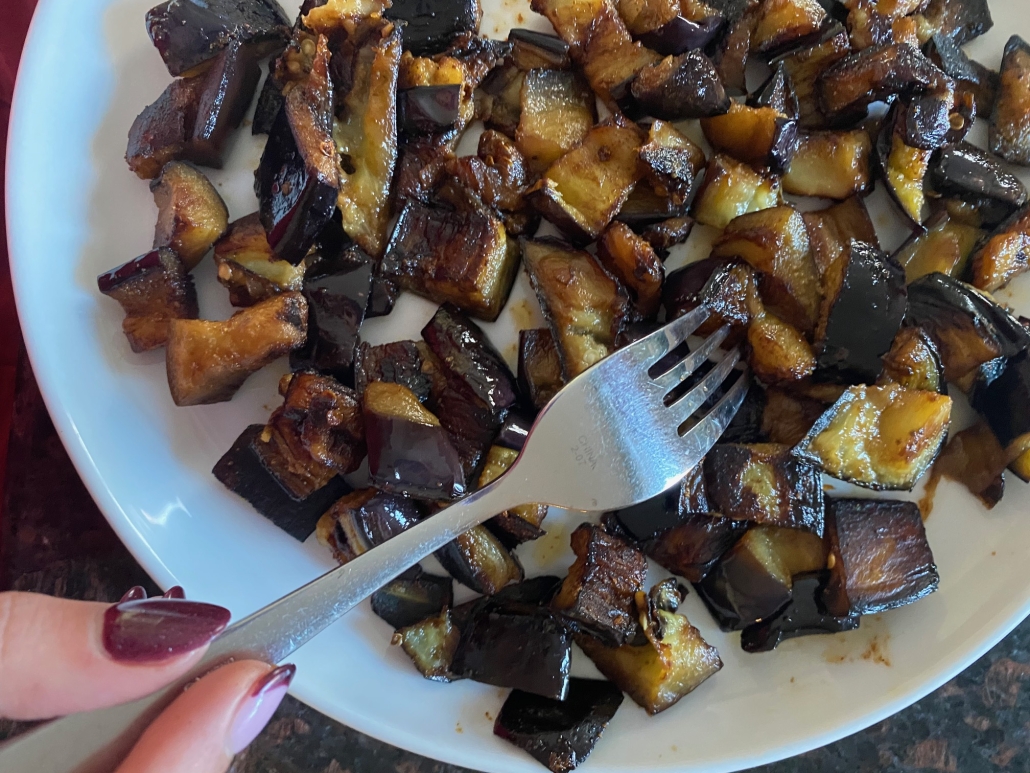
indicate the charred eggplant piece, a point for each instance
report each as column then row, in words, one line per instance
column 515, row 431
column 248, row 267
column 959, row 20
column 651, row 519
column 298, row 179
column 459, row 256
column 730, row 53
column 408, row 450
column 520, row 524
column 882, row 437
column 598, row 593
column 692, row 548
column 746, row 426
column 189, row 34
column 557, row 111
column 914, row 362
column 724, row 286
column 645, row 207
column 631, row 260
column 1005, row 253
column 495, row 178
column 680, row 87
column 366, row 139
column 776, row 92
column 784, row 25
column 968, row 173
column 1001, row 402
column 532, row 50
column 479, row 561
column 672, row 161
column 208, row 361
column 431, row 645
column 163, row 131
column 430, row 29
column 665, row 235
column 229, row 87
column 832, row 165
column 762, row 484
column 753, row 581
column 760, row 136
column 774, row 241
column 540, row 368
column 778, row 352
column 803, row 616
column 680, row 35
column 584, row 306
column 879, row 556
column 806, row 66
column 559, row 734
column 527, row 649
column 731, row 189
column 674, row 661
column 412, row 597
column 583, row 190
column 975, row 458
column 903, row 167
column 831, row 231
column 152, row 289
column 865, row 285
column 945, row 247
column 191, row 216
column 364, row 519
column 409, row 363
column 968, row 328
column 242, row 472
column 421, row 167
column 969, row 76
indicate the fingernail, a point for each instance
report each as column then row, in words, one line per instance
column 151, row 630
column 259, row 706
column 135, row 593
column 175, row 592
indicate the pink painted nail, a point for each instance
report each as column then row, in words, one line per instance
column 175, row 592
column 135, row 593
column 259, row 706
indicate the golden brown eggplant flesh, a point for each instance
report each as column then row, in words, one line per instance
column 786, row 418
column 672, row 161
column 881, row 437
column 692, row 548
column 431, row 644
column 831, row 231
column 914, row 362
column 806, row 66
column 191, row 215
column 1010, row 122
column 519, row 524
column 557, row 109
column 248, row 268
column 631, row 260
column 760, row 136
column 784, row 25
column 975, row 458
column 152, row 289
column 903, row 168
column 944, row 247
column 162, row 132
column 478, row 560
column 831, row 165
column 208, row 361
column 969, row 75
column 879, row 557
column 730, row 189
column 959, row 20
column 540, row 368
column 777, row 351
column 1004, row 255
column 666, row 234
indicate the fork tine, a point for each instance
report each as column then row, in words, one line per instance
column 683, row 408
column 707, row 432
column 661, row 342
column 692, row 361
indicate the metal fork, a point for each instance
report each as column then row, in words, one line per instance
column 613, row 437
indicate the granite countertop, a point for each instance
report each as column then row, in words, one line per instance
column 54, row 540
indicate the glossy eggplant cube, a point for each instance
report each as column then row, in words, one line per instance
column 430, row 27
column 412, row 597
column 803, row 616
column 480, row 561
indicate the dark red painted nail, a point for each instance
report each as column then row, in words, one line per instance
column 175, row 592
column 152, row 630
column 135, row 593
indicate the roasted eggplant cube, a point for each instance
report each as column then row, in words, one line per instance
column 634, row 263
column 428, row 109
column 975, row 458
column 430, row 29
column 366, row 139
column 247, row 266
column 831, row 231
column 806, row 66
column 530, row 650
column 680, row 87
column 1005, row 254
column 903, row 168
column 540, row 368
column 784, row 25
column 532, row 50
column 598, row 592
column 585, row 307
column 1003, row 404
column 364, row 519
column 879, row 557
column 968, row 328
column 164, row 130
column 882, row 437
column 693, row 547
column 944, row 247
column 298, row 178
column 731, row 189
column 665, row 235
column 519, row 524
column 337, row 298
column 190, row 33
column 431, row 644
column 960, row 20
column 208, row 361
column 777, row 351
column 557, row 111
column 478, row 560
column 408, row 600
column 1010, row 123
column 559, row 734
column 672, row 161
column 786, row 418
column 862, row 310
column 464, row 257
column 229, row 87
column 152, row 289
column 583, row 190
column 969, row 75
column 763, row 484
column 408, row 363
column 831, row 165
column 241, row 471
column 725, row 286
column 646, row 206
column 968, row 173
column 774, row 241
column 408, row 451
column 657, row 674
column 753, row 581
column 680, row 34
column 803, row 616
column 914, row 362
column 761, row 136
column 191, row 216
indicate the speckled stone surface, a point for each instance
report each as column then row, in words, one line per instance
column 54, row 540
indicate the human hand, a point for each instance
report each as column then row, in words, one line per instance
column 59, row 657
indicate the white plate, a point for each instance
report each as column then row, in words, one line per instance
column 74, row 210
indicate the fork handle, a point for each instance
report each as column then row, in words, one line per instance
column 96, row 741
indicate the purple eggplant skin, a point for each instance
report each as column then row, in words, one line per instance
column 651, row 518
column 682, row 87
column 531, row 50
column 778, row 93
column 398, row 362
column 529, row 650
column 514, row 431
column 337, row 300
column 746, row 426
column 190, row 33
column 228, row 90
column 682, row 35
column 966, row 172
column 559, row 734
column 269, row 103
column 431, row 26
column 803, row 616
column 428, row 109
column 960, row 20
column 240, row 470
column 1004, row 401
column 968, row 74
column 927, row 122
column 414, row 459
column 386, row 515
column 412, row 597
